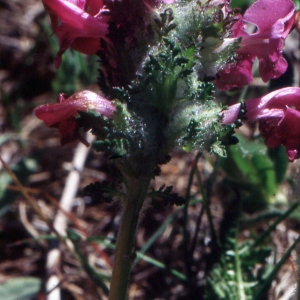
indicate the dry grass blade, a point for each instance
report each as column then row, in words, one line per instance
column 23, row 190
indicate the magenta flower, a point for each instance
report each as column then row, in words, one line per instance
column 78, row 24
column 62, row 114
column 273, row 20
column 278, row 114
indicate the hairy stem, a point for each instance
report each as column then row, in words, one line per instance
column 137, row 188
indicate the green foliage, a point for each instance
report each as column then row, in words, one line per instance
column 280, row 162
column 202, row 27
column 165, row 195
column 75, row 71
column 197, row 126
column 140, row 256
column 233, row 277
column 165, row 23
column 254, row 173
column 125, row 134
column 163, row 69
column 242, row 271
column 242, row 4
column 20, row 288
column 267, row 282
column 170, row 103
column 104, row 191
column 199, row 91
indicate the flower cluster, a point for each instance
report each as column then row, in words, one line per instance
column 278, row 114
column 273, row 21
column 153, row 62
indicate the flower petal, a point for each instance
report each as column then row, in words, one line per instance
column 68, row 107
column 289, row 125
column 70, row 21
column 278, row 115
column 264, row 106
column 235, row 76
column 69, row 131
column 230, row 115
column 274, row 20
column 279, row 119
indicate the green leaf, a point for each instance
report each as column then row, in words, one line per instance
column 265, row 173
column 253, row 170
column 164, row 195
column 20, row 288
column 280, row 161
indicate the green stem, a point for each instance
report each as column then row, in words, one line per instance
column 206, row 203
column 187, row 254
column 238, row 270
column 137, row 188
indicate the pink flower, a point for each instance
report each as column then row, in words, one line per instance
column 278, row 114
column 273, row 20
column 62, row 114
column 78, row 24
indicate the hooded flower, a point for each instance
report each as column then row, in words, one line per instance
column 78, row 24
column 62, row 114
column 278, row 114
column 273, row 20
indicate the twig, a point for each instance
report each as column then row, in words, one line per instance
column 60, row 221
column 25, row 222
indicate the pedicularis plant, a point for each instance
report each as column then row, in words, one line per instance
column 160, row 63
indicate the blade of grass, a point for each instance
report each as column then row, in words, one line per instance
column 160, row 265
column 26, row 195
column 155, row 236
column 187, row 260
column 268, row 281
column 195, row 238
column 208, row 211
column 97, row 277
column 161, row 229
column 146, row 258
column 238, row 270
column 46, row 237
column 273, row 226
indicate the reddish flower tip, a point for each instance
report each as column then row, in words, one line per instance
column 62, row 114
column 230, row 115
